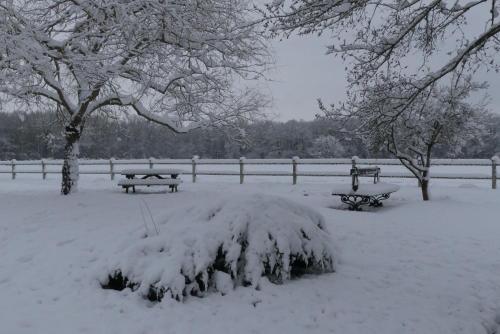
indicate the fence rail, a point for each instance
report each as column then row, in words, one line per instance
column 294, row 163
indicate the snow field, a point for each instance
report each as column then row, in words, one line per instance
column 409, row 267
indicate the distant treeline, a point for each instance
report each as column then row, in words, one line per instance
column 39, row 135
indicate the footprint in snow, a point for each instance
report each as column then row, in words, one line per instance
column 25, row 258
column 65, row 242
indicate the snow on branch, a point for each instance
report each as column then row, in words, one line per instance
column 174, row 63
column 441, row 116
column 162, row 120
column 386, row 40
column 179, row 59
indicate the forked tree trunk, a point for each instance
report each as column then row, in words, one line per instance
column 70, row 172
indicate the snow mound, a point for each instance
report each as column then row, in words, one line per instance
column 223, row 243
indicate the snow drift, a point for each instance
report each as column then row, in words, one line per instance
column 223, row 243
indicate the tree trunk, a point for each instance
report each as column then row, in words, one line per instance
column 70, row 172
column 426, row 174
column 425, row 189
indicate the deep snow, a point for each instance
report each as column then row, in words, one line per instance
column 409, row 267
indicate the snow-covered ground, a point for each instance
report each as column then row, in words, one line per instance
column 409, row 267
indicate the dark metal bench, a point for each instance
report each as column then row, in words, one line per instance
column 369, row 194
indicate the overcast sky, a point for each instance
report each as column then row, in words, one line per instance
column 304, row 73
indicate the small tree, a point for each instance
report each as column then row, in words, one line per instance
column 171, row 62
column 442, row 117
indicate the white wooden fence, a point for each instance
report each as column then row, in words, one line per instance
column 114, row 166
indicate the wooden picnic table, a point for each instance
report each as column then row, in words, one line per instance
column 150, row 177
column 158, row 173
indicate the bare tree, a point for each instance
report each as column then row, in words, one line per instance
column 441, row 117
column 385, row 39
column 171, row 62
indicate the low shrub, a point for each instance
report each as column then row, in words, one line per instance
column 223, row 244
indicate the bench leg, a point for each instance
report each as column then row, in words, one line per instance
column 133, row 189
column 376, row 201
column 355, row 201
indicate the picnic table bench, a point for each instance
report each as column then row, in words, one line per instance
column 356, row 195
column 150, row 177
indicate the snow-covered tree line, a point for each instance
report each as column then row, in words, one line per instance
column 171, row 62
column 38, row 135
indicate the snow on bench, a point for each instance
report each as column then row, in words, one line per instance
column 366, row 189
column 150, row 177
column 127, row 183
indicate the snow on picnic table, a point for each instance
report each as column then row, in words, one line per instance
column 152, row 171
column 409, row 267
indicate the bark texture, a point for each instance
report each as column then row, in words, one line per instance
column 70, row 173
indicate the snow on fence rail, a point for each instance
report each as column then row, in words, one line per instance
column 294, row 172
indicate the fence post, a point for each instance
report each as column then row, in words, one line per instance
column 44, row 169
column 112, row 168
column 242, row 169
column 13, row 165
column 194, row 161
column 151, row 163
column 295, row 161
column 494, row 162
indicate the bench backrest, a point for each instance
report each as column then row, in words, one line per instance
column 370, row 171
column 365, row 171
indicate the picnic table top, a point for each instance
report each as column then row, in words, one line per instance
column 151, row 171
column 145, row 182
column 368, row 189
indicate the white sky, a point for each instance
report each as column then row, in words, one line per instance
column 304, row 73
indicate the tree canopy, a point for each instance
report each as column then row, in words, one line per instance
column 173, row 63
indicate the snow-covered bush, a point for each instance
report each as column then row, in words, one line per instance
column 224, row 243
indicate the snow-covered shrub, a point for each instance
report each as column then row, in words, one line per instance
column 224, row 243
